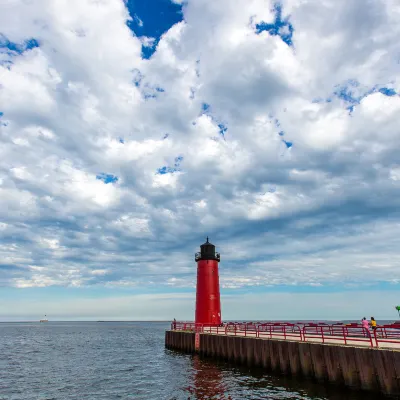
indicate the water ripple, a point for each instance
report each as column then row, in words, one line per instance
column 96, row 361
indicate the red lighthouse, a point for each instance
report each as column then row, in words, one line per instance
column 208, row 303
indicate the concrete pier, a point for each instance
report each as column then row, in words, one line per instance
column 358, row 367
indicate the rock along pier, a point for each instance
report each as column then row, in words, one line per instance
column 346, row 355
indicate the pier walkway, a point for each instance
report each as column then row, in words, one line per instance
column 384, row 337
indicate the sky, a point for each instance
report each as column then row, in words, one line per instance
column 131, row 130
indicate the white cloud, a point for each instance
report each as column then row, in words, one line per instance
column 138, row 20
column 129, row 224
column 395, row 174
column 50, row 243
column 288, row 192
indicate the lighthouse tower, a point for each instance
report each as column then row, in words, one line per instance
column 208, row 303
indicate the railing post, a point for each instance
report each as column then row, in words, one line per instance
column 369, row 336
column 345, row 331
column 376, row 337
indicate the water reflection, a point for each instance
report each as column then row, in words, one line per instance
column 218, row 380
column 207, row 381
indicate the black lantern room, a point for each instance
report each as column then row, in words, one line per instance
column 207, row 252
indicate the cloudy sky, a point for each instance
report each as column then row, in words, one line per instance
column 130, row 130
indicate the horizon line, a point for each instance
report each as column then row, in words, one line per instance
column 170, row 320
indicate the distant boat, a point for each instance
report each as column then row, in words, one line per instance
column 44, row 320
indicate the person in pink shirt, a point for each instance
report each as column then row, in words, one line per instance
column 365, row 324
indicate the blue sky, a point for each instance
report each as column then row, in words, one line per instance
column 131, row 130
column 152, row 19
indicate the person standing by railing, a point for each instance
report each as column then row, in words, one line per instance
column 174, row 324
column 373, row 323
column 365, row 324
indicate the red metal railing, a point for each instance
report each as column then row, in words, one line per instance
column 352, row 334
column 314, row 331
column 241, row 329
column 219, row 330
column 193, row 327
column 182, row 326
column 280, row 330
column 348, row 334
column 387, row 334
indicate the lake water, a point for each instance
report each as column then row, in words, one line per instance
column 128, row 360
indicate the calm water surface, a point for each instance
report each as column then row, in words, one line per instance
column 127, row 360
